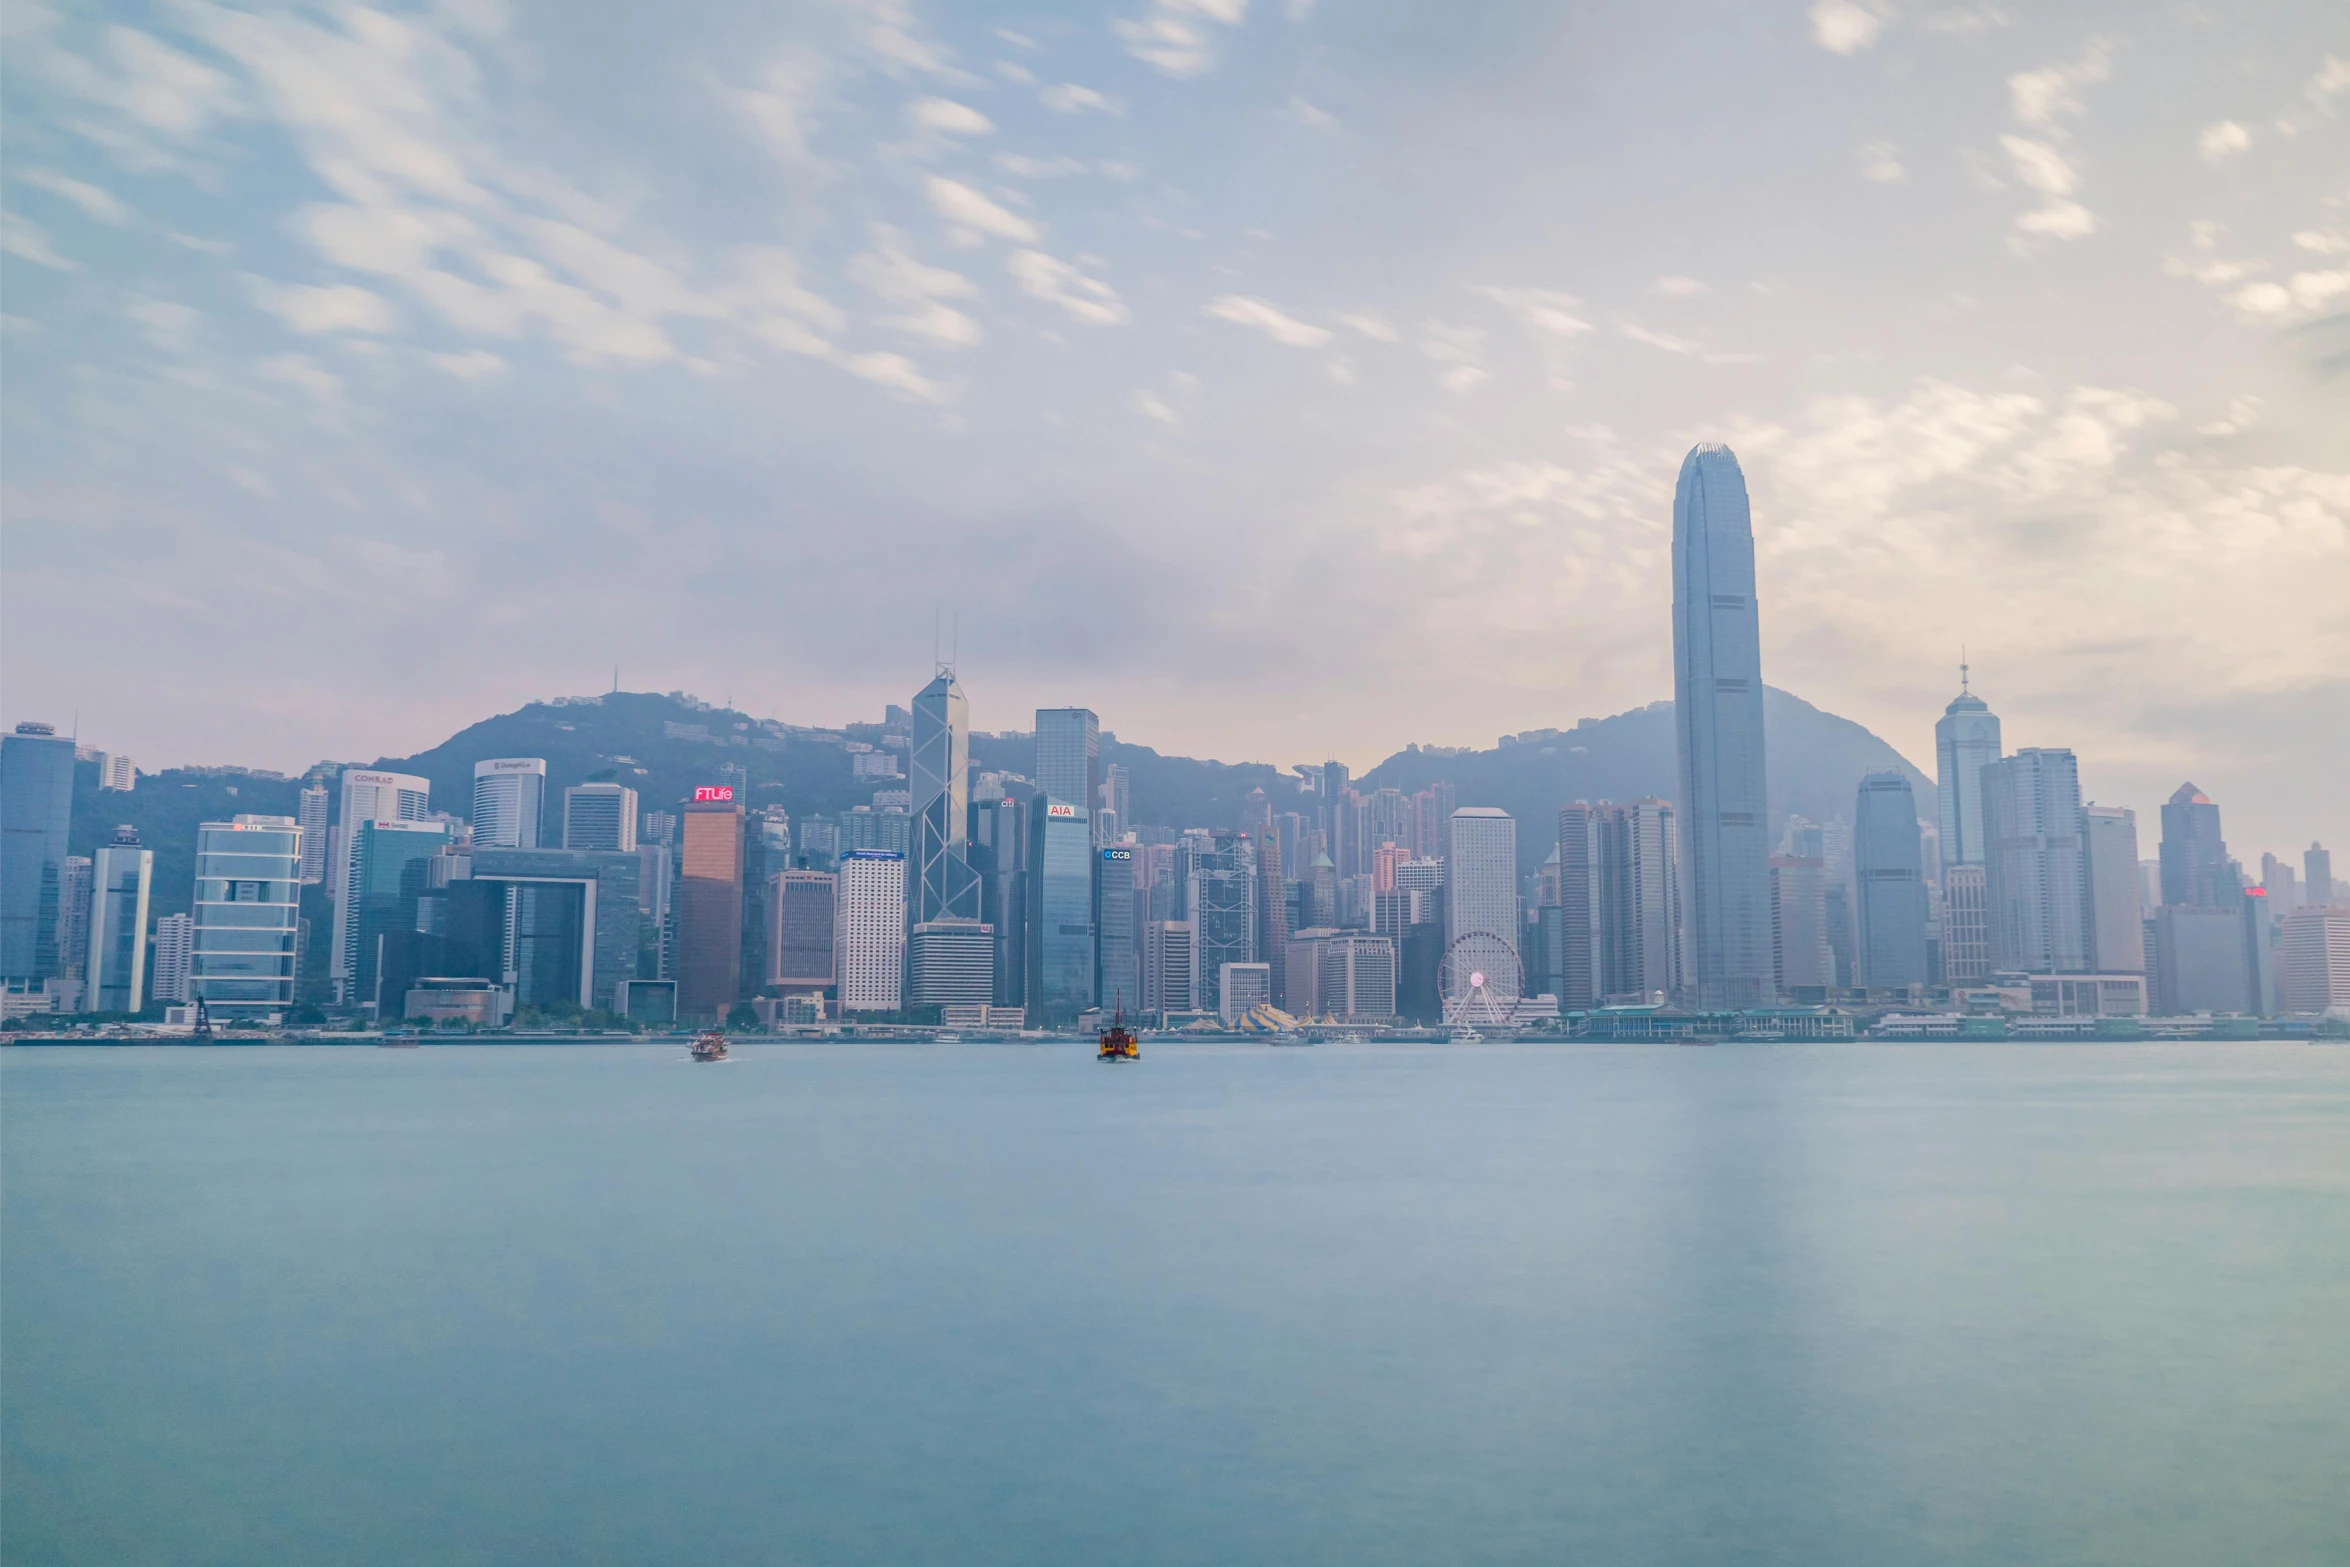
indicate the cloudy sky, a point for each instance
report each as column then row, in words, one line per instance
column 1279, row 379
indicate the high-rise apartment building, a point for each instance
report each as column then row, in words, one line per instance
column 311, row 815
column 2034, row 864
column 1069, row 756
column 600, row 816
column 247, row 924
column 1889, row 878
column 1718, row 726
column 2195, row 866
column 1966, row 740
column 2116, row 917
column 174, row 963
column 802, row 907
column 710, row 905
column 658, row 827
column 941, row 883
column 870, row 931
column 117, row 773
column 367, row 797
column 117, row 973
column 1060, row 981
column 509, row 802
column 1966, row 928
column 36, row 813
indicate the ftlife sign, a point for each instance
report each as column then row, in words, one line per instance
column 708, row 792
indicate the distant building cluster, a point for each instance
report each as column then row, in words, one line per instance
column 1005, row 900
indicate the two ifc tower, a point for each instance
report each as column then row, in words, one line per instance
column 1718, row 733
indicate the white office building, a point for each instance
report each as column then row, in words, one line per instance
column 869, row 929
column 1481, row 893
column 316, row 842
column 600, row 816
column 248, row 899
column 509, row 801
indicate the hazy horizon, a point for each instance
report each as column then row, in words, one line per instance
column 1279, row 380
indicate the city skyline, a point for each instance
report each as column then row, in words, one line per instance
column 2027, row 329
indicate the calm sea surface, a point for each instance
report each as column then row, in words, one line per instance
column 998, row 1304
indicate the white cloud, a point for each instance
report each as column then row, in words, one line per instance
column 950, row 118
column 2040, row 97
column 1069, row 98
column 1843, row 27
column 473, row 365
column 2222, row 141
column 783, row 107
column 1372, row 327
column 1268, row 318
column 2323, row 244
column 299, row 370
column 95, row 204
column 2333, row 77
column 1152, row 406
column 1678, row 287
column 1880, row 163
column 1460, row 378
column 1664, row 340
column 970, row 215
column 1028, row 168
column 340, row 307
column 2045, row 170
column 900, row 375
column 1306, row 114
column 166, row 323
column 919, row 290
column 1169, row 35
column 1554, row 312
column 148, row 94
column 1051, row 279
column 28, row 241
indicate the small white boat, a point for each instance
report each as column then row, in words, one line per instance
column 1467, row 1036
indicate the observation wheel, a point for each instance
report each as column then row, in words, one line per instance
column 1480, row 981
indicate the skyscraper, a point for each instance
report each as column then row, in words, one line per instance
column 1718, row 727
column 1117, row 966
column 1060, row 910
column 74, row 879
column 248, row 894
column 801, row 908
column 1170, row 973
column 120, row 872
column 950, row 963
column 1481, row 885
column 599, row 816
column 870, row 931
column 175, row 952
column 1966, row 740
column 2195, row 867
column 710, row 905
column 1966, row 930
column 1636, row 919
column 940, row 882
column 36, row 811
column 2317, row 875
column 367, row 797
column 998, row 851
column 1069, row 756
column 1800, row 960
column 1888, row 874
column 2117, row 920
column 388, row 876
column 509, row 802
column 1221, row 900
column 312, row 815
column 2032, row 839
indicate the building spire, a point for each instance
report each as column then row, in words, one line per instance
column 1962, row 669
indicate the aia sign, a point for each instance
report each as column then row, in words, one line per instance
column 713, row 792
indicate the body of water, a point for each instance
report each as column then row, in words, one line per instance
column 995, row 1304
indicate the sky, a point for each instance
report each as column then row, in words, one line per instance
column 1281, row 380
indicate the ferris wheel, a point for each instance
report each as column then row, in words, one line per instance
column 1480, row 981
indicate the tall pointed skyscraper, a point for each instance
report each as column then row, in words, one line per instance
column 940, row 883
column 1718, row 727
column 1966, row 740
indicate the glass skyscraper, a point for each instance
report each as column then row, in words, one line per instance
column 1966, row 740
column 2195, row 867
column 1069, row 756
column 940, row 882
column 1060, row 910
column 248, row 894
column 1117, row 973
column 36, row 808
column 1718, row 731
column 1889, row 875
column 2034, row 897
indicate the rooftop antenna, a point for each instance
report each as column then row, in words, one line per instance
column 616, row 679
column 1962, row 669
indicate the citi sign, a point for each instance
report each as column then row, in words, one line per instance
column 708, row 792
